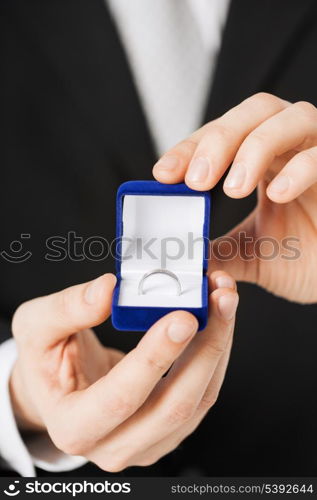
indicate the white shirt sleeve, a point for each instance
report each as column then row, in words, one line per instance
column 37, row 450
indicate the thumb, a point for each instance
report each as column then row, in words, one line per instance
column 235, row 251
column 46, row 320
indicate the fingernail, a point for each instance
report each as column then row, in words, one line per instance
column 227, row 305
column 180, row 331
column 224, row 282
column 236, row 177
column 280, row 184
column 168, row 163
column 92, row 291
column 198, row 170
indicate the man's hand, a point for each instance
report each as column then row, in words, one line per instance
column 273, row 146
column 116, row 409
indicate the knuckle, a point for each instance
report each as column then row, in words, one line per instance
column 119, row 406
column 65, row 308
column 182, row 150
column 155, row 363
column 306, row 107
column 73, row 349
column 69, row 444
column 18, row 321
column 113, row 463
column 208, row 401
column 189, row 430
column 148, row 460
column 179, row 440
column 21, row 323
column 65, row 302
column 215, row 348
column 264, row 99
column 181, row 412
column 220, row 131
column 257, row 139
column 308, row 159
column 187, row 146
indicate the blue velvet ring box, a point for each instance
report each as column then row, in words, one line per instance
column 160, row 226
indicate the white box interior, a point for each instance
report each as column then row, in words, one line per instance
column 172, row 222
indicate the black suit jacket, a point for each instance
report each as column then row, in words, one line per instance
column 72, row 129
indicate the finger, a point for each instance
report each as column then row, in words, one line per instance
column 112, row 399
column 44, row 321
column 193, row 371
column 218, row 142
column 293, row 128
column 221, row 279
column 171, row 167
column 175, row 400
column 211, row 394
column 235, row 252
column 173, row 440
column 155, row 452
column 218, row 279
column 299, row 174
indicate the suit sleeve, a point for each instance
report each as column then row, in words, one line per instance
column 20, row 453
column 5, row 330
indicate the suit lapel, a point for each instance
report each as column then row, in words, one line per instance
column 258, row 38
column 114, row 98
column 79, row 41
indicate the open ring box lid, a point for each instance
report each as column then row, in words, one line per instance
column 160, row 226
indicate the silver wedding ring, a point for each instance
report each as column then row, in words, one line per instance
column 159, row 271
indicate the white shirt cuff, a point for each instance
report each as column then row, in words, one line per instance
column 37, row 450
